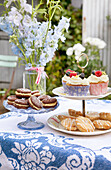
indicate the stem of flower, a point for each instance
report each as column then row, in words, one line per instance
column 32, row 10
column 22, row 52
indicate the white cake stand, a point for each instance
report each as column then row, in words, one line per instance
column 30, row 123
column 60, row 92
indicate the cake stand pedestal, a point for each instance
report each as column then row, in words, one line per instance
column 30, row 124
column 83, row 107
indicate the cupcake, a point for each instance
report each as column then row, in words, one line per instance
column 98, row 82
column 66, row 78
column 77, row 85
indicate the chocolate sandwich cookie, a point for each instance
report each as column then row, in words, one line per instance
column 35, row 103
column 11, row 99
column 42, row 97
column 51, row 102
column 23, row 93
column 35, row 93
column 21, row 103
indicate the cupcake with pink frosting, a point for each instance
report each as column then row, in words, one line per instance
column 98, row 82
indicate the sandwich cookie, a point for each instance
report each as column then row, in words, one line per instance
column 35, row 103
column 51, row 102
column 35, row 93
column 23, row 93
column 42, row 97
column 11, row 99
column 21, row 104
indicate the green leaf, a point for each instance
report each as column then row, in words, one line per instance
column 41, row 11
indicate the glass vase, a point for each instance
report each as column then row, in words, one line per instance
column 29, row 81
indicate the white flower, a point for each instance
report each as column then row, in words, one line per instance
column 64, row 23
column 78, row 47
column 101, row 45
column 28, row 8
column 95, row 42
column 77, row 54
column 14, row 16
column 69, row 51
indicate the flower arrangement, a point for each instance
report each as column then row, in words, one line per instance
column 92, row 47
column 34, row 42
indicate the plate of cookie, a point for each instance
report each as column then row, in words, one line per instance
column 30, row 102
column 60, row 92
column 79, row 125
column 22, row 106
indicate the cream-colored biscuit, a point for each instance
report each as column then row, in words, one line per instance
column 74, row 113
column 93, row 115
column 102, row 124
column 69, row 124
column 84, row 124
column 105, row 116
column 61, row 117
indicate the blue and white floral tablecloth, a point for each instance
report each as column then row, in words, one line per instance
column 47, row 149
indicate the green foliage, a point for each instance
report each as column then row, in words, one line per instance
column 56, row 68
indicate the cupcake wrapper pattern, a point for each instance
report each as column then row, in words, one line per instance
column 64, row 86
column 77, row 90
column 98, row 89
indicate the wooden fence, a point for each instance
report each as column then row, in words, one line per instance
column 96, row 24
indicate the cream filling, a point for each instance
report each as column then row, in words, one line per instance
column 34, row 105
column 51, row 104
column 10, row 101
column 21, row 105
column 23, row 94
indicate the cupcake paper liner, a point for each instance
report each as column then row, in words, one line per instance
column 77, row 90
column 98, row 88
column 64, row 86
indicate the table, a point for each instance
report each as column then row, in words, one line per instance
column 48, row 149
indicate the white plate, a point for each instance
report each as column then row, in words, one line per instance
column 54, row 123
column 60, row 92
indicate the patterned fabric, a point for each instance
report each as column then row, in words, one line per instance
column 35, row 150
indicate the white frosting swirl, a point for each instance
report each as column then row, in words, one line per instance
column 76, row 80
column 95, row 79
column 65, row 78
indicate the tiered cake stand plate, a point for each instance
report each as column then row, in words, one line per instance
column 60, row 92
column 54, row 122
column 30, row 123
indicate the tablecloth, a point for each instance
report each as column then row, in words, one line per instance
column 48, row 149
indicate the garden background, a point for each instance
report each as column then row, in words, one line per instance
column 61, row 62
